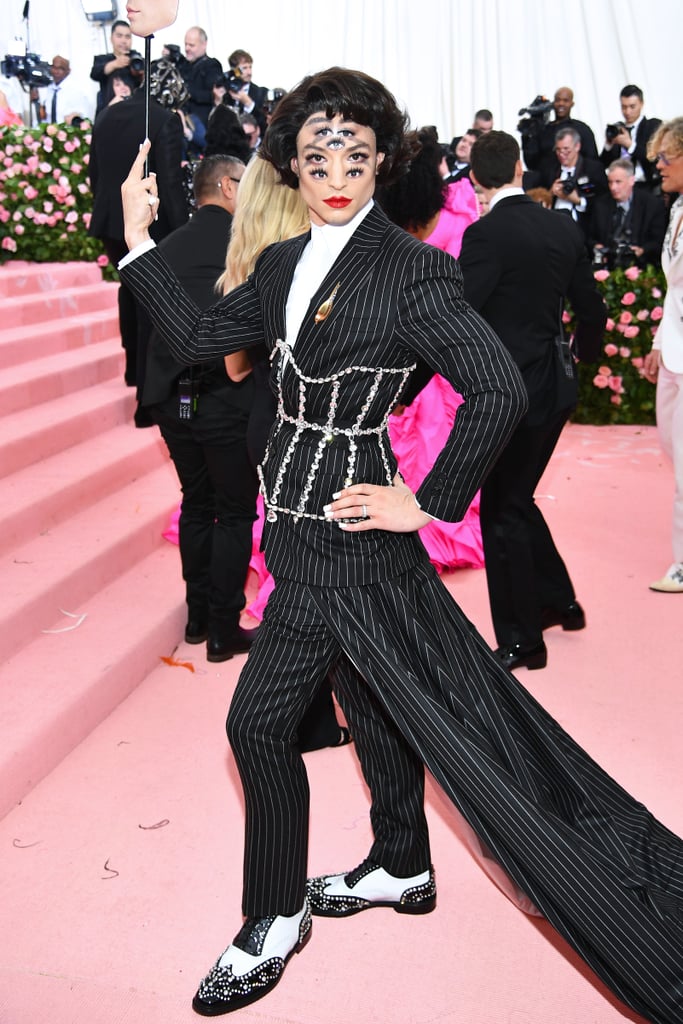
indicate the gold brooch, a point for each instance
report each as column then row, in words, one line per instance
column 326, row 307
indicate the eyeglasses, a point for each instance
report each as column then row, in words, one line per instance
column 661, row 158
column 564, row 150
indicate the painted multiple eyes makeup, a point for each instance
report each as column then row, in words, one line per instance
column 335, row 139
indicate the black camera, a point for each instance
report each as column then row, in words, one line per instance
column 538, row 113
column 173, row 53
column 137, row 62
column 612, row 130
column 583, row 185
column 32, row 72
column 231, row 80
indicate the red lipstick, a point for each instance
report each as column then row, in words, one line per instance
column 337, row 202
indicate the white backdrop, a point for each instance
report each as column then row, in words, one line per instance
column 442, row 58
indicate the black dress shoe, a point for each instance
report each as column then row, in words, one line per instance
column 253, row 963
column 515, row 656
column 220, row 648
column 571, row 617
column 196, row 631
column 369, row 886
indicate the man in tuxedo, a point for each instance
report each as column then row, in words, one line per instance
column 519, row 264
column 664, row 364
column 630, row 137
column 574, row 180
column 247, row 98
column 627, row 226
column 115, row 141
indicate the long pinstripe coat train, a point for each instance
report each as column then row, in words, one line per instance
column 605, row 873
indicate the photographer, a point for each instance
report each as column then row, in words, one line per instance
column 244, row 96
column 199, row 74
column 573, row 180
column 629, row 138
column 105, row 64
column 538, row 134
column 626, row 227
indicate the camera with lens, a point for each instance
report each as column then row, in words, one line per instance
column 583, row 185
column 172, row 53
column 137, row 62
column 612, row 130
column 274, row 97
column 232, row 80
column 538, row 113
column 28, row 68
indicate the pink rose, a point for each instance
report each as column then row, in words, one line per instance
column 71, row 227
column 632, row 273
column 628, row 299
column 51, row 130
column 30, row 192
column 17, row 215
column 76, row 168
column 51, row 220
column 48, row 207
column 29, row 213
column 4, row 215
column 642, row 314
column 32, row 164
column 19, row 229
column 601, row 275
column 604, row 370
column 62, row 136
column 9, row 244
column 632, row 332
column 102, row 260
column 609, row 326
column 601, row 380
column 86, row 219
column 614, row 384
column 71, row 217
column 638, row 362
column 565, row 317
column 83, row 188
column 656, row 313
column 615, row 399
column 45, row 168
column 611, row 350
column 624, row 352
column 656, row 293
column 626, row 317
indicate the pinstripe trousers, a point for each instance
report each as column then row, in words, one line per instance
column 601, row 869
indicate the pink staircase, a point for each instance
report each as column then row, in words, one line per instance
column 92, row 594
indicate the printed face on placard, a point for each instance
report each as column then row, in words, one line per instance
column 148, row 16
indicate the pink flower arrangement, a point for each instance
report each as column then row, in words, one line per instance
column 45, row 197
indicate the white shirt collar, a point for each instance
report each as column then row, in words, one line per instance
column 336, row 236
column 504, row 193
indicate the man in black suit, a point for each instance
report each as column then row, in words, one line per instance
column 105, row 64
column 519, row 264
column 574, row 180
column 247, row 97
column 200, row 72
column 629, row 138
column 203, row 416
column 115, row 142
column 627, row 227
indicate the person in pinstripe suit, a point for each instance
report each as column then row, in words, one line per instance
column 346, row 314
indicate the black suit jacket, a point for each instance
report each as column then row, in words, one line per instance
column 116, row 138
column 645, row 130
column 645, row 223
column 199, row 77
column 519, row 263
column 540, row 147
column 398, row 300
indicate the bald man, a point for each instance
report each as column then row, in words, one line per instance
column 539, row 147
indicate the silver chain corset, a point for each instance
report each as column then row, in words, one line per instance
column 326, row 428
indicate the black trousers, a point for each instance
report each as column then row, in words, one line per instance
column 427, row 688
column 219, row 488
column 524, row 569
column 135, row 326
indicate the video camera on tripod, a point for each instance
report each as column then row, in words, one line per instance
column 538, row 114
column 28, row 68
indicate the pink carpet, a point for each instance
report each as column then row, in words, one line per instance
column 121, row 869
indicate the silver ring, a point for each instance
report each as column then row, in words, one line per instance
column 365, row 511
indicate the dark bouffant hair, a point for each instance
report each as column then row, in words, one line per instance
column 493, row 159
column 353, row 95
column 412, row 201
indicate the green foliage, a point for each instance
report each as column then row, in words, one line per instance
column 45, row 197
column 614, row 390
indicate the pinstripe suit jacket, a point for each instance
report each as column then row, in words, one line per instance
column 398, row 300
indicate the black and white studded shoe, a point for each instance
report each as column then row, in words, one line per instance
column 369, row 886
column 253, row 963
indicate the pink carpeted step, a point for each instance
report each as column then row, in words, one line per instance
column 39, row 497
column 59, row 570
column 35, row 434
column 55, row 691
column 22, row 278
column 22, row 344
column 27, row 385
column 62, row 302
